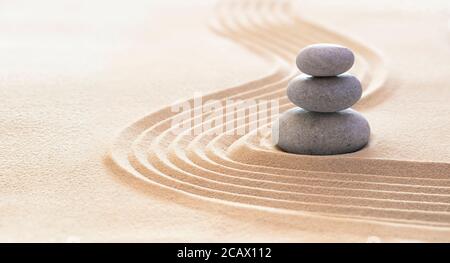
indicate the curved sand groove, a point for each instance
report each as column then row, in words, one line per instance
column 241, row 170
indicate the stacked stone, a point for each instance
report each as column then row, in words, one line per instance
column 323, row 124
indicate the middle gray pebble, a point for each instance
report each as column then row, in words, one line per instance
column 325, row 94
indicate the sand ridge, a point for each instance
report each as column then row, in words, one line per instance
column 247, row 172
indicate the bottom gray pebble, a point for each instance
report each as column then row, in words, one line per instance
column 314, row 133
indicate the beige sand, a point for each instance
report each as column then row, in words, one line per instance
column 67, row 176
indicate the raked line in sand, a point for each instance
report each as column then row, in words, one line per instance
column 247, row 174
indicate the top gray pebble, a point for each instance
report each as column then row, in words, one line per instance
column 325, row 60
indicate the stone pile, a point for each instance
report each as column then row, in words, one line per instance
column 323, row 124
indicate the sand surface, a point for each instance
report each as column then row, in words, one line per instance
column 87, row 152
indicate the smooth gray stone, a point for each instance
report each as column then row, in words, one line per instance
column 325, row 94
column 325, row 60
column 314, row 133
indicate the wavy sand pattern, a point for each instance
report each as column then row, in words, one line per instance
column 247, row 172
